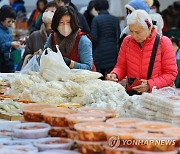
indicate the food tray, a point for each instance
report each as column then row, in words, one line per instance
column 10, row 117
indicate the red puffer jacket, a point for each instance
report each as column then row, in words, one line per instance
column 133, row 61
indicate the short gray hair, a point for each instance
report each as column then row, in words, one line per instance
column 141, row 18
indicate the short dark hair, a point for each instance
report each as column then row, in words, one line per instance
column 90, row 5
column 50, row 4
column 41, row 1
column 156, row 4
column 176, row 5
column 101, row 5
column 62, row 11
column 65, row 1
column 7, row 11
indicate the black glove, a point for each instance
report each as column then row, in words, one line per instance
column 67, row 61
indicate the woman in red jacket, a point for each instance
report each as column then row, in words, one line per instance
column 135, row 55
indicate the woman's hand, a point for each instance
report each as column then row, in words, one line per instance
column 112, row 77
column 38, row 52
column 144, row 87
column 15, row 44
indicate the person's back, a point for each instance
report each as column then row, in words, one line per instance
column 171, row 17
column 90, row 13
column 105, row 32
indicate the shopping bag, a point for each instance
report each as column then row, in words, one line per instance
column 32, row 65
column 52, row 65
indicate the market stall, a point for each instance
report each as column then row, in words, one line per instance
column 73, row 110
column 85, row 114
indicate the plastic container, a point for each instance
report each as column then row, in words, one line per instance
column 178, row 150
column 79, row 118
column 72, row 134
column 92, row 131
column 153, row 126
column 53, row 143
column 151, row 152
column 122, row 136
column 55, row 117
column 31, row 130
column 103, row 112
column 155, row 142
column 124, row 122
column 19, row 150
column 59, row 152
column 69, row 110
column 69, row 105
column 32, row 112
column 6, row 128
column 174, row 131
column 58, row 132
column 90, row 147
column 109, row 150
column 12, row 143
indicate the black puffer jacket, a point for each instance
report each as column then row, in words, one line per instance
column 105, row 33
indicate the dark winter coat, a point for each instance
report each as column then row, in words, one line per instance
column 105, row 33
column 6, row 61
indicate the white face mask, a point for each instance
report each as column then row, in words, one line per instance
column 153, row 11
column 65, row 30
column 94, row 12
column 47, row 17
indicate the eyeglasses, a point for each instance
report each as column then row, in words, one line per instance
column 11, row 21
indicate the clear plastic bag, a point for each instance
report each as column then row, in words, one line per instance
column 167, row 91
column 52, row 66
column 32, row 65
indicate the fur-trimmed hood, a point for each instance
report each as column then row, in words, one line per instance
column 139, row 4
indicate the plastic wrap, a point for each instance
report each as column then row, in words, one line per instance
column 52, row 66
